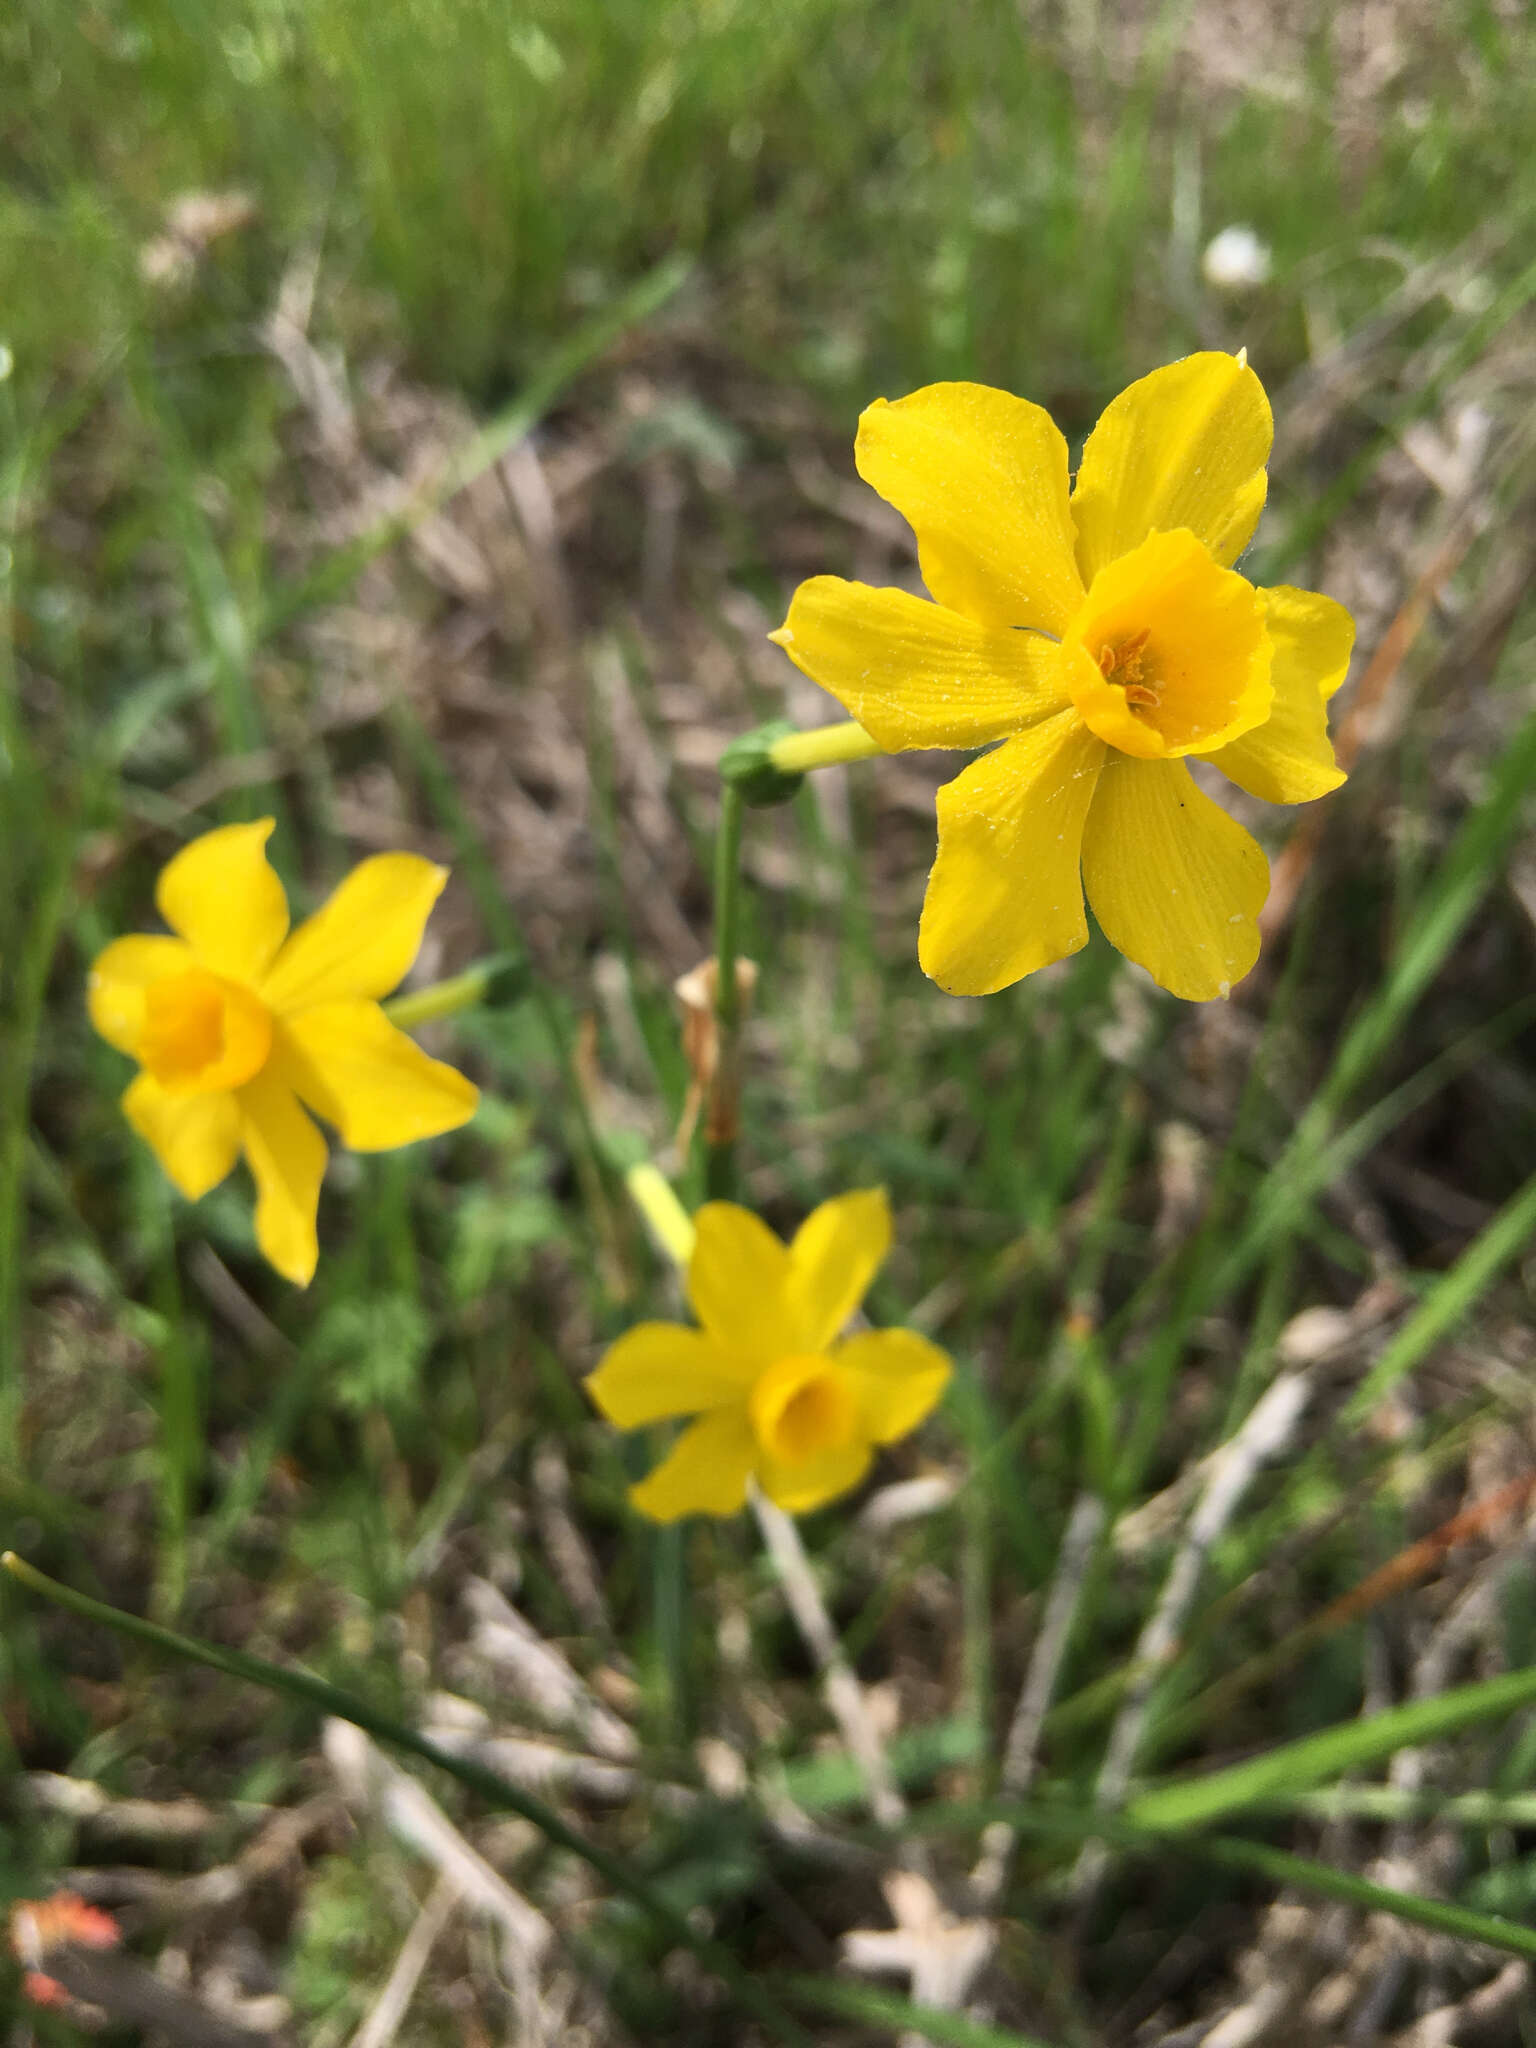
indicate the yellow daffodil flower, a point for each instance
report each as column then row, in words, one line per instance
column 238, row 1024
column 780, row 1396
column 1103, row 636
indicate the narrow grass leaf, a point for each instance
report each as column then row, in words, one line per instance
column 1351, row 1745
column 500, row 1792
column 1453, row 1296
column 888, row 2009
column 1073, row 1825
column 1439, row 1914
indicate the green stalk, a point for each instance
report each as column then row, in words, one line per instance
column 487, row 1784
column 723, row 1109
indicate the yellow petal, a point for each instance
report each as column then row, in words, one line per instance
column 226, row 902
column 835, row 1254
column 196, row 1138
column 738, row 1281
column 362, row 939
column 914, row 674
column 660, row 1369
column 902, row 1377
column 372, row 1082
column 1176, row 884
column 119, row 977
column 1004, row 896
column 705, row 1473
column 1289, row 759
column 981, row 478
column 287, row 1157
column 809, row 1483
column 1185, row 446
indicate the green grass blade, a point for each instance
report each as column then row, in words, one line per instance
column 325, row 1698
column 848, row 1999
column 1490, row 1928
column 1194, row 1802
column 1391, row 1803
column 1452, row 1297
column 1314, row 1154
column 1072, row 1825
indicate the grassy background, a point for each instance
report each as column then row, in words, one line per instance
column 684, row 244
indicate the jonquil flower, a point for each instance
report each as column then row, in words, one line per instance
column 1103, row 636
column 238, row 1025
column 780, row 1396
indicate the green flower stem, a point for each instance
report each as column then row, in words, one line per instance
column 760, row 768
column 666, row 1218
column 498, row 979
column 824, row 746
column 489, row 1785
column 722, row 1111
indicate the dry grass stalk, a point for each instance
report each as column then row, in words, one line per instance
column 1265, row 1435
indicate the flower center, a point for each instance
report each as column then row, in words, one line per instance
column 1169, row 653
column 202, row 1034
column 1127, row 666
column 801, row 1407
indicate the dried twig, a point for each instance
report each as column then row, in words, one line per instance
column 941, row 1953
column 844, row 1694
column 148, row 1820
column 542, row 1677
column 569, row 1553
column 392, row 2003
column 371, row 1782
column 1450, row 2025
column 1078, row 1543
column 1266, row 1433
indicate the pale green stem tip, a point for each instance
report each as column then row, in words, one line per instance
column 669, row 1222
column 822, row 747
column 497, row 979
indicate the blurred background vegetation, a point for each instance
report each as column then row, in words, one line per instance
column 414, row 417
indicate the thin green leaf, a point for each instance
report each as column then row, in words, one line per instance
column 1453, row 1296
column 1193, row 1802
column 877, row 2008
column 1490, row 1928
column 488, row 1785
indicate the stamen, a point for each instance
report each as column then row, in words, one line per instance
column 1124, row 666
